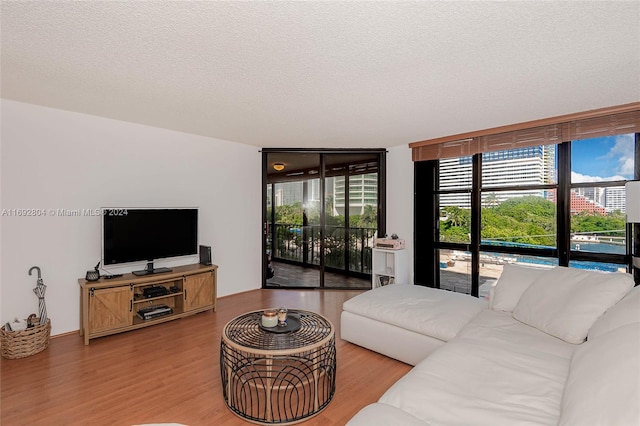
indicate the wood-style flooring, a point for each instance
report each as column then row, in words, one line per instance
column 171, row 373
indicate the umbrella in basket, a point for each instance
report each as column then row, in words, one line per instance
column 39, row 291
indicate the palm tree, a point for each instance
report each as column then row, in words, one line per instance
column 491, row 200
column 455, row 216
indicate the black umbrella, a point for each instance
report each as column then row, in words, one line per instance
column 39, row 290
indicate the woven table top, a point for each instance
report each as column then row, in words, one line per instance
column 245, row 331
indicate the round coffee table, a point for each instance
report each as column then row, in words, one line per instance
column 272, row 377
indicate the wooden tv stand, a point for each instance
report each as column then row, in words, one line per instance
column 110, row 306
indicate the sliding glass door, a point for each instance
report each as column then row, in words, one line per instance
column 321, row 212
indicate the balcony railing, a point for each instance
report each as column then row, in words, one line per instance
column 345, row 249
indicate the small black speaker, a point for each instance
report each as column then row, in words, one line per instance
column 205, row 255
column 92, row 276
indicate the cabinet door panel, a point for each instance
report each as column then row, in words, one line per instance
column 198, row 291
column 109, row 308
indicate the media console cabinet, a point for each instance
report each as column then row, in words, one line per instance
column 110, row 306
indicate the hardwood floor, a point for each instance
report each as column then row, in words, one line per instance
column 170, row 372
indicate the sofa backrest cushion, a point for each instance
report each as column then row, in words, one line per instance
column 626, row 311
column 565, row 302
column 513, row 282
column 603, row 387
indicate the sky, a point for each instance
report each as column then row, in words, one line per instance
column 602, row 159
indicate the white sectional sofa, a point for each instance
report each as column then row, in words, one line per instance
column 406, row 322
column 552, row 347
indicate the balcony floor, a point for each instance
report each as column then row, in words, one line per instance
column 288, row 275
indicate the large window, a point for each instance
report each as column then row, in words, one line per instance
column 599, row 169
column 544, row 205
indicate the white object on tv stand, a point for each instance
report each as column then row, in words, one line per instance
column 389, row 265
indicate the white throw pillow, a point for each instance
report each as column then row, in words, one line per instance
column 513, row 282
column 603, row 387
column 565, row 302
column 626, row 311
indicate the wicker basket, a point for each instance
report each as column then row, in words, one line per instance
column 20, row 344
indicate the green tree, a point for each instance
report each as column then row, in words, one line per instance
column 523, row 220
column 289, row 213
column 368, row 219
column 455, row 224
column 457, row 217
column 607, row 225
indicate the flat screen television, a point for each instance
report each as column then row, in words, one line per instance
column 147, row 234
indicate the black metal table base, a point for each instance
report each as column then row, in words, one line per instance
column 274, row 384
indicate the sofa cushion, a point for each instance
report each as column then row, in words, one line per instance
column 565, row 302
column 515, row 279
column 387, row 339
column 603, row 387
column 497, row 371
column 432, row 312
column 626, row 311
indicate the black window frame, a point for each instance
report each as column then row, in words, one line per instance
column 426, row 220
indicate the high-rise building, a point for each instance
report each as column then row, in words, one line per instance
column 582, row 203
column 363, row 191
column 521, row 166
column 607, row 199
column 287, row 193
column 305, row 192
column 615, row 199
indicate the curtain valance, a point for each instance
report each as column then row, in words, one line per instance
column 590, row 124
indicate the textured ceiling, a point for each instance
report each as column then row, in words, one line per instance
column 322, row 74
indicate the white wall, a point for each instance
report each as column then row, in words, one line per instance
column 400, row 198
column 54, row 159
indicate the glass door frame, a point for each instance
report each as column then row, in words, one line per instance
column 381, row 200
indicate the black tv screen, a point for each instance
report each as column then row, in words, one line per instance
column 132, row 235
